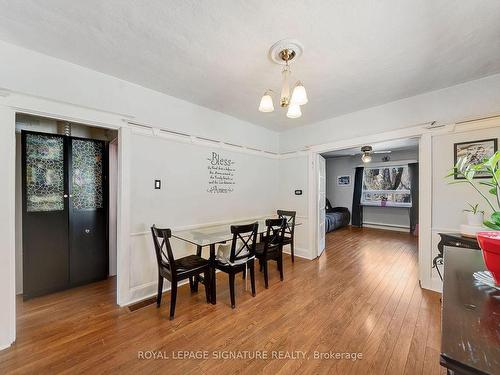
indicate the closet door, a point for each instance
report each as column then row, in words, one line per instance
column 88, row 211
column 45, row 214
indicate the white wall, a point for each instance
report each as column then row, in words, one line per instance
column 7, row 221
column 468, row 100
column 341, row 196
column 29, row 72
column 183, row 199
column 293, row 175
column 449, row 200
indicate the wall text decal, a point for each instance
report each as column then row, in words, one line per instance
column 220, row 174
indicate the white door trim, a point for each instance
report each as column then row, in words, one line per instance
column 425, row 187
column 12, row 105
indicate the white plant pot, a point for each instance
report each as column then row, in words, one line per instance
column 475, row 220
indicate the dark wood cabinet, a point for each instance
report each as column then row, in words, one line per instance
column 64, row 189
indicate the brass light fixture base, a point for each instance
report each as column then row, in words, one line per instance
column 285, row 50
column 287, row 54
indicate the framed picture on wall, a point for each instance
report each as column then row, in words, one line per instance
column 344, row 180
column 475, row 152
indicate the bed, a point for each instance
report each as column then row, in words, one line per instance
column 336, row 217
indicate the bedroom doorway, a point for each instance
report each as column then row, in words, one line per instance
column 369, row 186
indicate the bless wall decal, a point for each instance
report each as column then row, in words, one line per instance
column 220, row 174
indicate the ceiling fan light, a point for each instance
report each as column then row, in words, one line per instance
column 266, row 103
column 299, row 95
column 293, row 111
column 366, row 158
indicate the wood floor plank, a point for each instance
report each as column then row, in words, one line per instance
column 361, row 295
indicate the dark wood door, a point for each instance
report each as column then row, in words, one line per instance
column 45, row 214
column 88, row 192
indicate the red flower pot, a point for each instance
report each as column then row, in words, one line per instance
column 490, row 244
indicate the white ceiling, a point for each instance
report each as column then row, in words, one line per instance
column 214, row 53
column 395, row 145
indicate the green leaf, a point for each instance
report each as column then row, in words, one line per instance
column 495, row 216
column 497, row 174
column 488, row 183
column 490, row 225
column 493, row 161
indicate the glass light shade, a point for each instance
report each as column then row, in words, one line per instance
column 366, row 158
column 266, row 103
column 294, row 111
column 299, row 95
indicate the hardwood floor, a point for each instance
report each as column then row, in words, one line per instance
column 361, row 296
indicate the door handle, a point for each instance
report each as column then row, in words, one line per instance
column 87, row 231
column 65, row 195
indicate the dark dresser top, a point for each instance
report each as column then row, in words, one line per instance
column 471, row 315
column 461, row 241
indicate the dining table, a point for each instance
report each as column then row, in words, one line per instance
column 210, row 236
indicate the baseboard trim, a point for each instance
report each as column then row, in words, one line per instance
column 397, row 228
column 299, row 252
column 136, row 292
column 4, row 346
column 435, row 284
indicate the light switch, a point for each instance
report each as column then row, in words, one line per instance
column 157, row 184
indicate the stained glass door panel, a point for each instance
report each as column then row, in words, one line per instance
column 88, row 210
column 44, row 173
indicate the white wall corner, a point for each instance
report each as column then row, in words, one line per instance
column 7, row 227
column 425, row 210
column 123, row 218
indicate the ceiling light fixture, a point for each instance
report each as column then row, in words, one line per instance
column 282, row 53
column 367, row 154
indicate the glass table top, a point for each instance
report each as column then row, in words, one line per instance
column 217, row 233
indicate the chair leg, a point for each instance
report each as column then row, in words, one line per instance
column 160, row 290
column 252, row 277
column 266, row 279
column 173, row 298
column 206, row 276
column 191, row 284
column 280, row 266
column 291, row 251
column 231, row 289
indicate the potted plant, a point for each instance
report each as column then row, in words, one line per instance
column 475, row 217
column 489, row 240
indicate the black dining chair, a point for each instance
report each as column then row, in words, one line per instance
column 271, row 247
column 289, row 229
column 241, row 255
column 175, row 270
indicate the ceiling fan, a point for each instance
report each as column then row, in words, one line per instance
column 367, row 151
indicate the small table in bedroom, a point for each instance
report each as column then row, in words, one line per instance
column 211, row 236
column 454, row 240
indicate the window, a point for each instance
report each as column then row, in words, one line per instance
column 388, row 186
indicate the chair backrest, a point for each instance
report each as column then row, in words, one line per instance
column 290, row 221
column 164, row 255
column 275, row 234
column 244, row 240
